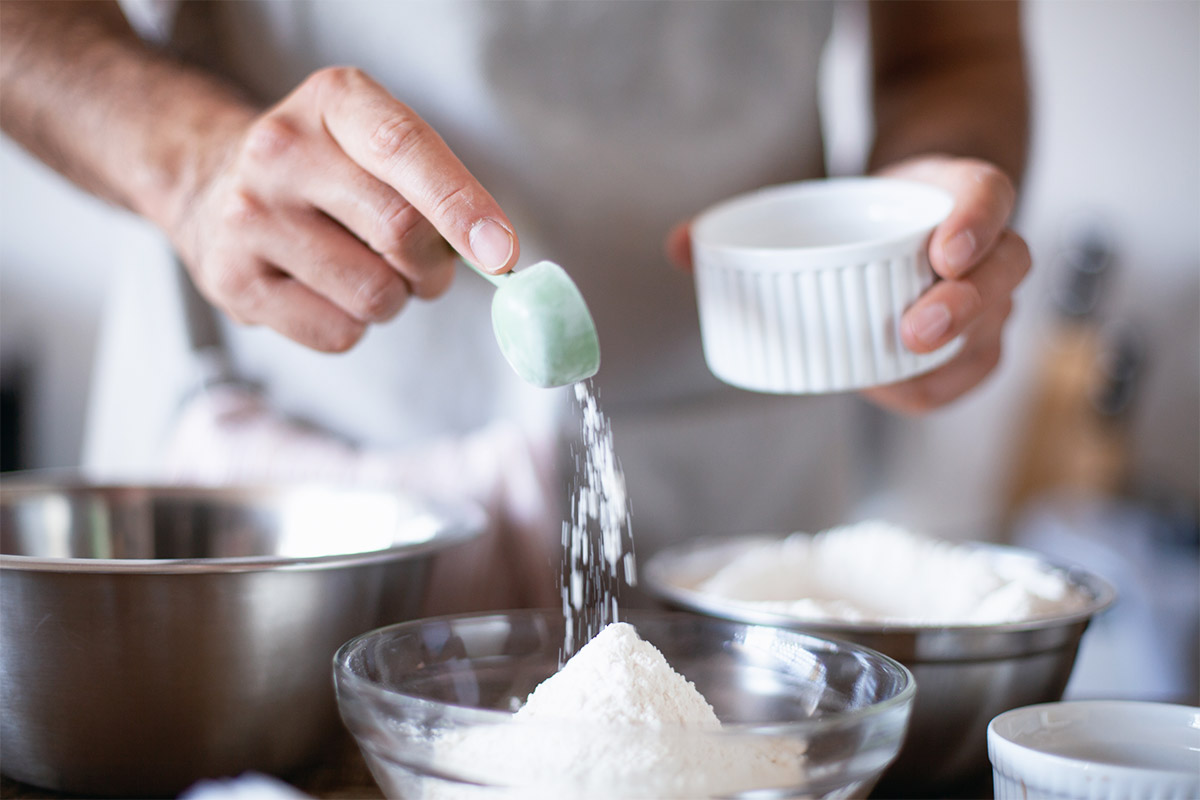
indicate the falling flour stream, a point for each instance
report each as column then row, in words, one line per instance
column 597, row 538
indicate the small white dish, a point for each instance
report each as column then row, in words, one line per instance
column 1096, row 750
column 801, row 287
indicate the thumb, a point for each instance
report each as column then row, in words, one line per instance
column 678, row 246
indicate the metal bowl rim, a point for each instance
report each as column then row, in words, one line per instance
column 657, row 566
column 464, row 521
column 905, row 697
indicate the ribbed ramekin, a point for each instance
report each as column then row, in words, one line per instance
column 801, row 287
column 1096, row 750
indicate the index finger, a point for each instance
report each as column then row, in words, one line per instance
column 389, row 140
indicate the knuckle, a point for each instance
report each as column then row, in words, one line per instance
column 970, row 301
column 242, row 292
column 393, row 227
column 242, row 209
column 253, row 298
column 379, row 296
column 447, row 201
column 333, row 79
column 395, row 137
column 1023, row 257
column 437, row 280
column 232, row 282
column 271, row 138
column 410, row 243
column 337, row 338
column 237, row 316
column 1013, row 260
column 995, row 183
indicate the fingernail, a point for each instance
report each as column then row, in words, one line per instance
column 491, row 244
column 930, row 323
column 958, row 250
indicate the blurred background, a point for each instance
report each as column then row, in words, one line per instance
column 1085, row 444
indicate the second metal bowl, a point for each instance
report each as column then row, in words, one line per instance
column 966, row 674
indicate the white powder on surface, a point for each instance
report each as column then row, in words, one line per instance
column 597, row 539
column 615, row 722
column 876, row 572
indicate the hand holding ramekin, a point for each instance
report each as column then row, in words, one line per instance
column 980, row 261
column 967, row 268
column 801, row 287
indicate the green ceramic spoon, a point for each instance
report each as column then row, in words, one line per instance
column 543, row 326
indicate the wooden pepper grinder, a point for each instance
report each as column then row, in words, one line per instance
column 1076, row 435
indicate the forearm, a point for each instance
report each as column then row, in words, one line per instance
column 83, row 94
column 949, row 78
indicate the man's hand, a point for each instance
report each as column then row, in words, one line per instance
column 317, row 217
column 979, row 262
column 328, row 211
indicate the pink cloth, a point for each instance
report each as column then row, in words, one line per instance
column 229, row 435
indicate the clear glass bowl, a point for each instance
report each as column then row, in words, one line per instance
column 430, row 704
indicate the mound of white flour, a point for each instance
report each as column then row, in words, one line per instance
column 615, row 722
column 618, row 678
column 878, row 572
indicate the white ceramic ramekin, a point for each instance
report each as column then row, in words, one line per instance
column 1096, row 750
column 801, row 286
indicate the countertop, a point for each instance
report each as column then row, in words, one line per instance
column 341, row 775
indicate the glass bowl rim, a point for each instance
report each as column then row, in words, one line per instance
column 902, row 700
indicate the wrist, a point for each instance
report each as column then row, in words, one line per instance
column 183, row 153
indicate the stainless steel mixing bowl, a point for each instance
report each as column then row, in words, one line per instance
column 430, row 704
column 152, row 636
column 966, row 674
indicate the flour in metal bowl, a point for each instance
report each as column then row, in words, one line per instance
column 877, row 572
